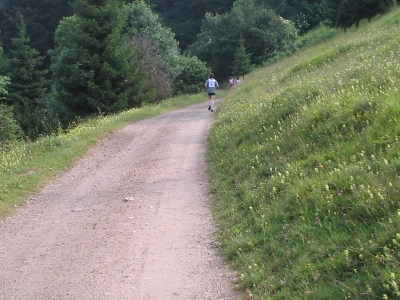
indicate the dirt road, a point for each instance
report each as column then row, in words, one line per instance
column 131, row 220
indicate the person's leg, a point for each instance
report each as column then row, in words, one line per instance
column 212, row 100
column 209, row 101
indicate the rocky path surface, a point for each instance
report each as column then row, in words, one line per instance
column 131, row 220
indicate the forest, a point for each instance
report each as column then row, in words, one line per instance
column 62, row 61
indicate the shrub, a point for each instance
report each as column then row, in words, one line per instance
column 192, row 78
column 8, row 126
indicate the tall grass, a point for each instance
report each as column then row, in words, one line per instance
column 26, row 167
column 305, row 166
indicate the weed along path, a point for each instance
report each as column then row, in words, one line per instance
column 131, row 220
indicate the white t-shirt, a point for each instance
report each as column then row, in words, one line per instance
column 211, row 85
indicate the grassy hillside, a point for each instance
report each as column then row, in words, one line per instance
column 305, row 163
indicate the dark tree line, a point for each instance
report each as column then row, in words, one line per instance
column 346, row 13
column 41, row 17
column 61, row 60
column 185, row 17
column 248, row 27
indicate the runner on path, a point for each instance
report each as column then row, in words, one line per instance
column 211, row 86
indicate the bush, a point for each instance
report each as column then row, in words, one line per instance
column 8, row 127
column 192, row 78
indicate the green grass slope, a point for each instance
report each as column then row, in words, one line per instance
column 305, row 165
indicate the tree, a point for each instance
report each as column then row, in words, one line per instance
column 95, row 69
column 3, row 61
column 264, row 33
column 158, row 50
column 3, row 82
column 241, row 63
column 305, row 14
column 346, row 13
column 191, row 79
column 41, row 18
column 8, row 126
column 185, row 17
column 168, row 72
column 27, row 83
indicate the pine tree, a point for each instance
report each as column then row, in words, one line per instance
column 8, row 127
column 3, row 62
column 3, row 71
column 4, row 80
column 95, row 69
column 27, row 83
column 242, row 62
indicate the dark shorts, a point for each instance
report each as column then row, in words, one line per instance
column 211, row 94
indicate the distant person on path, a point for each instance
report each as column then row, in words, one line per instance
column 211, row 86
column 238, row 81
column 231, row 82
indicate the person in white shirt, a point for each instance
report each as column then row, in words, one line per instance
column 231, row 82
column 211, row 86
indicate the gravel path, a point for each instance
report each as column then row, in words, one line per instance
column 131, row 220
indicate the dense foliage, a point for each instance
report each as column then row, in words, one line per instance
column 94, row 68
column 27, row 85
column 190, row 80
column 345, row 13
column 306, row 14
column 9, row 129
column 264, row 34
column 185, row 17
column 168, row 72
column 241, row 60
column 41, row 17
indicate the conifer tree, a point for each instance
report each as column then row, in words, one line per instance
column 3, row 62
column 94, row 68
column 4, row 80
column 241, row 63
column 27, row 83
column 8, row 126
